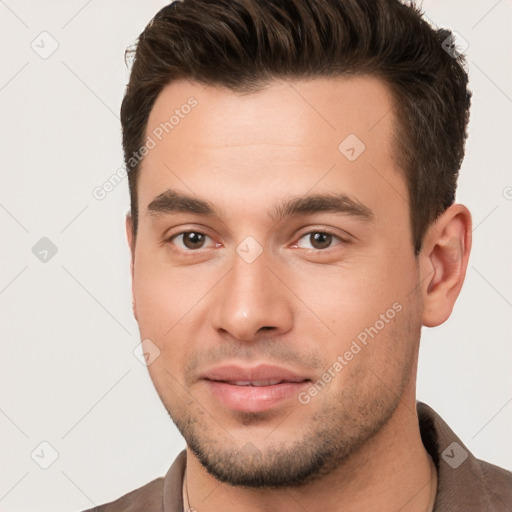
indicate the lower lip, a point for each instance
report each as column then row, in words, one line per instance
column 254, row 398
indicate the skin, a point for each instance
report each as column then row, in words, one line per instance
column 294, row 305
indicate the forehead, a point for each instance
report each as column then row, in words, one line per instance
column 284, row 111
column 288, row 138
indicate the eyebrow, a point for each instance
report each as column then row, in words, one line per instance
column 319, row 203
column 172, row 201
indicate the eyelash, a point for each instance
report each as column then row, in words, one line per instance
column 295, row 244
column 323, row 232
column 182, row 233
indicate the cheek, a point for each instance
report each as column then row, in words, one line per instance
column 367, row 315
column 379, row 360
column 155, row 303
column 344, row 303
column 165, row 295
column 170, row 305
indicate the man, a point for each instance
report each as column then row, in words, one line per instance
column 293, row 167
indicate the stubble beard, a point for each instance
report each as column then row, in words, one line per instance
column 344, row 421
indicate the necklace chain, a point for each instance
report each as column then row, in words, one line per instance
column 433, row 485
column 188, row 508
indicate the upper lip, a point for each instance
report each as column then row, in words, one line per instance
column 263, row 372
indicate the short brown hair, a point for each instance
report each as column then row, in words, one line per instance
column 245, row 44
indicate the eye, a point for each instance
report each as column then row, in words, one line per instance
column 317, row 240
column 190, row 240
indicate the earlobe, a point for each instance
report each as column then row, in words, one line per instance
column 131, row 243
column 445, row 256
column 129, row 234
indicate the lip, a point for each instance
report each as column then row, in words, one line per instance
column 253, row 389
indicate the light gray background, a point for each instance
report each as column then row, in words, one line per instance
column 68, row 373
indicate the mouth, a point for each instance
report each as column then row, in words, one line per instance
column 253, row 389
column 256, row 383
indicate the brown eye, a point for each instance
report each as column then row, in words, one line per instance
column 190, row 240
column 193, row 240
column 320, row 240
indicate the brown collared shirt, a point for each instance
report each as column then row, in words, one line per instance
column 465, row 484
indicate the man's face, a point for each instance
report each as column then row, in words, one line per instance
column 276, row 274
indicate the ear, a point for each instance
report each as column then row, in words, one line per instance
column 443, row 261
column 131, row 243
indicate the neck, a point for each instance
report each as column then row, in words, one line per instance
column 392, row 471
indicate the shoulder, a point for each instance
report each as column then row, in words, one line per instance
column 152, row 496
column 498, row 485
column 465, row 483
column 147, row 498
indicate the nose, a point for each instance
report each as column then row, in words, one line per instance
column 251, row 302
